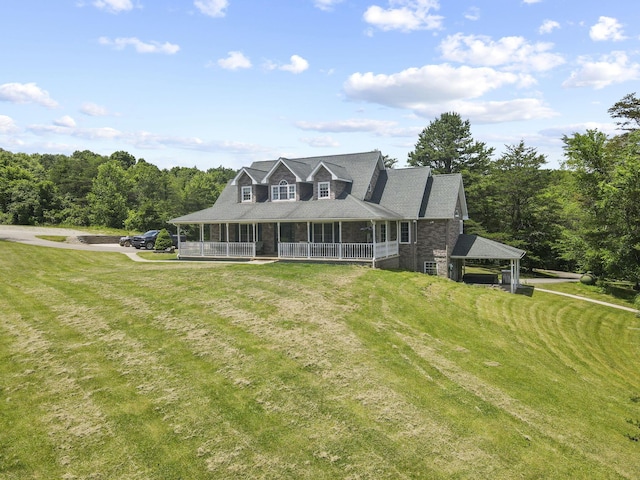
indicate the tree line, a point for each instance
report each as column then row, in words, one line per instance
column 87, row 189
column 582, row 217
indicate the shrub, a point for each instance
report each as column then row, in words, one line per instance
column 588, row 279
column 163, row 241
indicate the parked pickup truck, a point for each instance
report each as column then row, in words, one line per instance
column 148, row 240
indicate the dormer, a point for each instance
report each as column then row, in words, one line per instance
column 329, row 181
column 287, row 181
column 249, row 186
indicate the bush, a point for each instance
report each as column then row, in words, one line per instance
column 588, row 279
column 163, row 241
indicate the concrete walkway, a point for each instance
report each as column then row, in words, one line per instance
column 578, row 297
column 563, row 277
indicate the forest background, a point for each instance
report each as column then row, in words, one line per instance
column 584, row 216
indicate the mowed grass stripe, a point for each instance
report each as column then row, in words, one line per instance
column 308, row 371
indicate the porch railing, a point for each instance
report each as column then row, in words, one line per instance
column 348, row 251
column 218, row 249
column 333, row 251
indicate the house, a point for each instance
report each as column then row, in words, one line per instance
column 342, row 208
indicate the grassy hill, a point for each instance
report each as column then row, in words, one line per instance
column 116, row 369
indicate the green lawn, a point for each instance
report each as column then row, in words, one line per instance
column 116, row 369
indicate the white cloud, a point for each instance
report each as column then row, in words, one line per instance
column 321, row 142
column 114, row 6
column 140, row 46
column 65, row 121
column 432, row 89
column 93, row 110
column 234, row 61
column 607, row 28
column 496, row 111
column 608, row 70
column 326, row 5
column 26, row 93
column 7, row 125
column 548, row 26
column 405, row 15
column 472, row 13
column 348, row 126
column 212, row 8
column 531, row 2
column 511, row 52
column 297, row 65
column 432, row 84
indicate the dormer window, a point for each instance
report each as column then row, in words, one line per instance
column 246, row 194
column 324, row 189
column 283, row 191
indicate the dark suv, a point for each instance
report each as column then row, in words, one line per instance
column 148, row 240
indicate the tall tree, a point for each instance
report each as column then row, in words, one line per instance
column 627, row 109
column 108, row 196
column 447, row 146
column 524, row 209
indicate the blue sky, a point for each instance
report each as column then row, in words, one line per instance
column 224, row 82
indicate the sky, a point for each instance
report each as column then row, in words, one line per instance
column 208, row 83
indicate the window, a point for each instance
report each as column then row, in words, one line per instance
column 324, row 190
column 431, row 268
column 246, row 232
column 283, row 191
column 246, row 194
column 323, row 233
column 383, row 232
column 405, row 232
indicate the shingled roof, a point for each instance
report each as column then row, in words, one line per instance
column 398, row 194
column 475, row 247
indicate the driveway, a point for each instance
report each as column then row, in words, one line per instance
column 29, row 235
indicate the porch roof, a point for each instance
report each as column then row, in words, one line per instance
column 475, row 247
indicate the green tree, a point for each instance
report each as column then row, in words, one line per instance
column 163, row 240
column 108, row 196
column 627, row 109
column 524, row 208
column 125, row 159
column 447, row 146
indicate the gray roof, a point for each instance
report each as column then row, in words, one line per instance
column 409, row 193
column 402, row 190
column 443, row 193
column 473, row 246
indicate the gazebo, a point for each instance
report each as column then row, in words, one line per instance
column 473, row 247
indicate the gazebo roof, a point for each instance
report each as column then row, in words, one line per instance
column 475, row 247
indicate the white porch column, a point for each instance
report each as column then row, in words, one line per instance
column 374, row 240
column 340, row 240
column 178, row 237
column 386, row 236
column 308, row 239
column 515, row 274
column 278, row 237
column 227, row 224
column 201, row 239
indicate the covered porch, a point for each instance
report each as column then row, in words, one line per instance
column 362, row 241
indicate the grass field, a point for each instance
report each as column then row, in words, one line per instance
column 117, row 369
